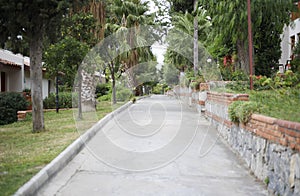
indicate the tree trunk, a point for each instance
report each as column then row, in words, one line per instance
column 36, row 50
column 79, row 73
column 114, row 88
column 243, row 56
column 195, row 40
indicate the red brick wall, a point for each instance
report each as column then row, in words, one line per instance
column 282, row 132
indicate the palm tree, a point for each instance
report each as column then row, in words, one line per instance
column 229, row 19
column 127, row 16
column 180, row 44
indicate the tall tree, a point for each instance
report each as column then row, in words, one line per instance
column 32, row 20
column 126, row 17
column 179, row 39
column 229, row 20
column 182, row 6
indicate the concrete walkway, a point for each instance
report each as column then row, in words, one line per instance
column 156, row 147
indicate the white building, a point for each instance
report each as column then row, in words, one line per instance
column 15, row 74
column 290, row 37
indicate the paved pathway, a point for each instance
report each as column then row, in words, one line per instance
column 167, row 149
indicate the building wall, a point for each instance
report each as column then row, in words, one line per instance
column 292, row 30
column 19, row 79
column 285, row 45
column 45, row 88
column 15, row 81
column 9, row 56
column 27, row 81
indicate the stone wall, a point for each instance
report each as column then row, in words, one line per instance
column 269, row 146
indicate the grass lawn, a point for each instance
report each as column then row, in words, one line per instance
column 23, row 153
column 282, row 104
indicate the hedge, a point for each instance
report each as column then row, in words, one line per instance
column 10, row 104
column 64, row 100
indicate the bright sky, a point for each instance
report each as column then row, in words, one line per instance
column 157, row 49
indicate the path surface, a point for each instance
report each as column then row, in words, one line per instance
column 166, row 149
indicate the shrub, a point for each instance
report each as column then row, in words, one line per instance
column 102, row 89
column 157, row 89
column 239, row 86
column 229, row 74
column 240, row 111
column 10, row 104
column 64, row 100
column 104, row 98
column 232, row 111
column 262, row 83
column 123, row 94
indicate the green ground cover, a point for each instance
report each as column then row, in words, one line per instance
column 23, row 153
column 282, row 103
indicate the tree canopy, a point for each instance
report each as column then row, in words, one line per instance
column 229, row 30
column 33, row 21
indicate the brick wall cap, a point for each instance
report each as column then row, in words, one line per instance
column 262, row 118
column 227, row 94
column 288, row 124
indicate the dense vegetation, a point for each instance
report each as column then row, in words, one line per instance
column 10, row 104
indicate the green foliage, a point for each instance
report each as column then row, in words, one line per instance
column 170, row 74
column 232, row 111
column 104, row 98
column 295, row 63
column 65, row 56
column 24, row 154
column 238, row 86
column 64, row 100
column 282, row 103
column 102, row 89
column 181, row 6
column 241, row 111
column 27, row 18
column 262, row 83
column 159, row 88
column 124, row 22
column 195, row 81
column 123, row 94
column 278, row 81
column 288, row 79
column 229, row 73
column 80, row 27
column 180, row 39
column 133, row 100
column 229, row 30
column 267, row 181
column 10, row 104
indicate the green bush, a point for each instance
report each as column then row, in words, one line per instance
column 232, row 111
column 64, row 100
column 241, row 111
column 238, row 86
column 10, row 104
column 280, row 103
column 229, row 74
column 123, row 94
column 104, row 98
column 102, row 89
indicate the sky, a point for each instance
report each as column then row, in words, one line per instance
column 157, row 49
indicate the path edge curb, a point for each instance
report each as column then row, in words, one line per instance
column 37, row 181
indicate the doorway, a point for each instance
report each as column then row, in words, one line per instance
column 3, row 82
